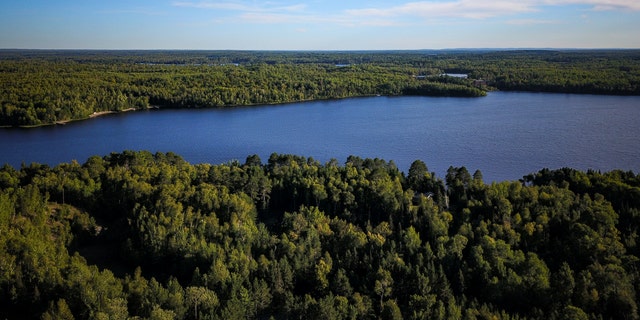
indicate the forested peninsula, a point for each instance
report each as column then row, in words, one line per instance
column 39, row 87
column 136, row 235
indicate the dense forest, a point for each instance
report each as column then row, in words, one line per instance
column 45, row 87
column 150, row 236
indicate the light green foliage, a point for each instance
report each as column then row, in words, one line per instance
column 200, row 300
column 159, row 314
column 58, row 311
column 383, row 285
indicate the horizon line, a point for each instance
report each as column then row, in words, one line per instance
column 324, row 50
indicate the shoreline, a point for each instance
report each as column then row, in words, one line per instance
column 102, row 113
column 95, row 114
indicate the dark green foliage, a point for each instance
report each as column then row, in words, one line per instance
column 439, row 89
column 144, row 235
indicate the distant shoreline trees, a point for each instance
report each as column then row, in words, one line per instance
column 48, row 87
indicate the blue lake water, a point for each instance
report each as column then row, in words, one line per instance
column 506, row 134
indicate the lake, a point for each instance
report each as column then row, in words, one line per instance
column 505, row 135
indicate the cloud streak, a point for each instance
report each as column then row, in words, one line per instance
column 409, row 13
column 237, row 6
column 482, row 9
column 596, row 5
column 267, row 13
column 525, row 22
column 478, row 9
column 135, row 12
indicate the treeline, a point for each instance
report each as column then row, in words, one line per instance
column 592, row 71
column 150, row 236
column 44, row 87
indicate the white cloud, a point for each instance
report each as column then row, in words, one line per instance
column 409, row 13
column 478, row 9
column 597, row 5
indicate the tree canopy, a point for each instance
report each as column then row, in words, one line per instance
column 142, row 235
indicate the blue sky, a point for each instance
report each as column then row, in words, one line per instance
column 319, row 25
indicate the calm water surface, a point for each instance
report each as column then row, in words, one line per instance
column 505, row 135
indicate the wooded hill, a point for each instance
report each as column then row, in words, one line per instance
column 141, row 235
column 45, row 87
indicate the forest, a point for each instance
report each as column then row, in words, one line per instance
column 137, row 235
column 40, row 87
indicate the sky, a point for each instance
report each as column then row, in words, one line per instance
column 318, row 25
